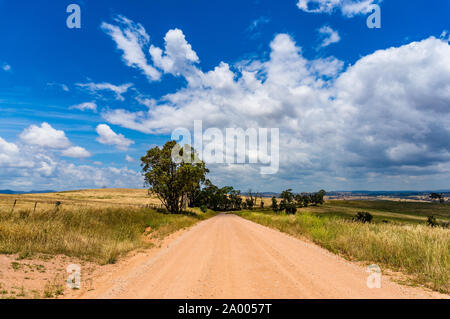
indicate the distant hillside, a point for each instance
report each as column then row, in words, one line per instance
column 365, row 193
column 262, row 194
column 386, row 193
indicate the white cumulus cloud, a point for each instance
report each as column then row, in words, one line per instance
column 329, row 36
column 118, row 90
column 129, row 159
column 6, row 67
column 109, row 137
column 24, row 167
column 45, row 136
column 445, row 35
column 178, row 55
column 85, row 106
column 10, row 156
column 131, row 39
column 176, row 58
column 76, row 152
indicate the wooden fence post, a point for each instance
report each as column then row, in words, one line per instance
column 14, row 205
column 34, row 209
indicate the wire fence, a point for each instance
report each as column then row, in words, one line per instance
column 34, row 204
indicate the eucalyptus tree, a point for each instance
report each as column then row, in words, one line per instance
column 171, row 178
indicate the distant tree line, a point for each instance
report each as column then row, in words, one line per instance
column 215, row 198
column 290, row 201
column 437, row 196
column 180, row 181
column 224, row 199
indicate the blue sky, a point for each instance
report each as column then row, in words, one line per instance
column 357, row 108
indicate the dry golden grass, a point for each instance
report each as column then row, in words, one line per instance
column 98, row 225
column 89, row 198
column 95, row 234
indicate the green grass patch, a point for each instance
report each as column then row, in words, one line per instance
column 417, row 250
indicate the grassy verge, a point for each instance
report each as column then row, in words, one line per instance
column 417, row 250
column 100, row 235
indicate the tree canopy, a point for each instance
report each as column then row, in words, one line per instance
column 172, row 179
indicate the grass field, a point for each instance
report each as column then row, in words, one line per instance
column 96, row 225
column 102, row 225
column 383, row 210
column 92, row 198
column 405, row 244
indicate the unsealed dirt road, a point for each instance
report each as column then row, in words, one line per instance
column 230, row 257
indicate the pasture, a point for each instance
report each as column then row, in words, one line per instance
column 383, row 210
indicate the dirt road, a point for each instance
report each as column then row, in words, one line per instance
column 230, row 257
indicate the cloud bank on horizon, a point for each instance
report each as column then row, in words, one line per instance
column 382, row 120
